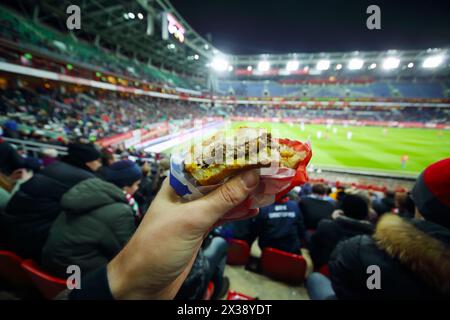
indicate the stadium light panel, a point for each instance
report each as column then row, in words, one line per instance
column 131, row 15
column 338, row 66
column 292, row 65
column 323, row 65
column 263, row 66
column 432, row 62
column 249, row 68
column 410, row 65
column 355, row 64
column 391, row 63
column 140, row 16
column 372, row 66
column 219, row 64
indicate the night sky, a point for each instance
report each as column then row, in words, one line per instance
column 284, row 26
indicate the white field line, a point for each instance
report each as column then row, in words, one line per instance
column 182, row 138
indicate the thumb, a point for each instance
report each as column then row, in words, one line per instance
column 229, row 195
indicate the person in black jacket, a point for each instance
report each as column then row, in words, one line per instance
column 280, row 226
column 10, row 159
column 413, row 256
column 145, row 194
column 35, row 206
column 385, row 204
column 346, row 223
column 315, row 207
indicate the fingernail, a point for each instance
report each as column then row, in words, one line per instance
column 250, row 179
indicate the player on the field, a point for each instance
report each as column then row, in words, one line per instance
column 404, row 159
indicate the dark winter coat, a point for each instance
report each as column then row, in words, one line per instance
column 96, row 223
column 413, row 258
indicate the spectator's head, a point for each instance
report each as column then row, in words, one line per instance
column 50, row 152
column 431, row 193
column 340, row 193
column 107, row 156
column 404, row 203
column 389, row 194
column 125, row 174
column 355, row 207
column 33, row 164
column 319, row 189
column 84, row 155
column 146, row 169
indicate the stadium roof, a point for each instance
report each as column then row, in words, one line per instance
column 123, row 26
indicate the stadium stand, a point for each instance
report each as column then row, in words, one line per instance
column 377, row 89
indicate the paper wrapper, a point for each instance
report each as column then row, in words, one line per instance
column 276, row 181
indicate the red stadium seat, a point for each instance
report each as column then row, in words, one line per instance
column 238, row 252
column 324, row 270
column 283, row 266
column 48, row 285
column 11, row 270
column 209, row 291
column 233, row 295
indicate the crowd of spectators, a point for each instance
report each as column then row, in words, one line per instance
column 369, row 113
column 346, row 230
column 84, row 207
column 56, row 117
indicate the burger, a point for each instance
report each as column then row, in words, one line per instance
column 224, row 155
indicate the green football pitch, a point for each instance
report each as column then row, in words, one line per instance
column 374, row 149
column 370, row 148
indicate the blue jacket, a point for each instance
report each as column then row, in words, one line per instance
column 281, row 226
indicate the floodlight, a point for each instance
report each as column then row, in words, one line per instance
column 323, row 65
column 391, row 63
column 131, row 15
column 338, row 66
column 410, row 65
column 372, row 66
column 140, row 16
column 355, row 64
column 263, row 66
column 292, row 65
column 249, row 68
column 196, row 56
column 219, row 64
column 230, row 68
column 433, row 61
column 125, row 15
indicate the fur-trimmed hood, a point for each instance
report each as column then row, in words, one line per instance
column 424, row 254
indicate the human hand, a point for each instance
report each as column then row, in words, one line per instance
column 159, row 256
column 336, row 214
column 21, row 174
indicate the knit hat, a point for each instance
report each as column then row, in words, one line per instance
column 431, row 193
column 83, row 152
column 123, row 173
column 355, row 207
column 33, row 164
